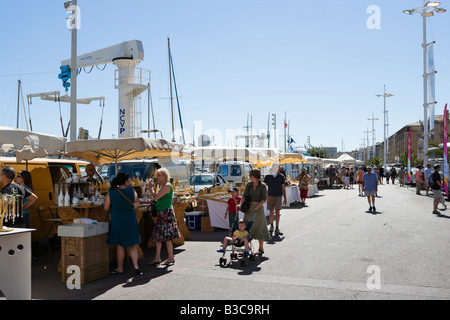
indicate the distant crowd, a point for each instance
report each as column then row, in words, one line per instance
column 369, row 178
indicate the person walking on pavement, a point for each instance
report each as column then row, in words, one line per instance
column 381, row 175
column 393, row 175
column 436, row 186
column 427, row 173
column 276, row 191
column 257, row 193
column 370, row 187
column 401, row 176
column 359, row 176
column 419, row 180
column 331, row 173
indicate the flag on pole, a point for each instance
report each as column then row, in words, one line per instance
column 445, row 152
column 409, row 157
column 431, row 84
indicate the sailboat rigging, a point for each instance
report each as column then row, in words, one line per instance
column 172, row 74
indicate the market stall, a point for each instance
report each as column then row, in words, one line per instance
column 15, row 264
column 15, row 251
column 28, row 145
column 217, row 205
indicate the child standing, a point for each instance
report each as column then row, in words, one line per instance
column 232, row 202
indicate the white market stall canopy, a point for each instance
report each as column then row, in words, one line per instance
column 313, row 160
column 113, row 150
column 29, row 145
column 294, row 158
column 345, row 158
column 256, row 156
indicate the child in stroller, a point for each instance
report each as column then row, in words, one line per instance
column 240, row 237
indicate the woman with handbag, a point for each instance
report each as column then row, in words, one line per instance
column 166, row 227
column 256, row 192
column 124, row 228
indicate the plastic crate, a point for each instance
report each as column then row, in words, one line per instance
column 193, row 219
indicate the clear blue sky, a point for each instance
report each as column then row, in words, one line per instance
column 319, row 63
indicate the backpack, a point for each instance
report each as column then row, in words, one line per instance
column 430, row 180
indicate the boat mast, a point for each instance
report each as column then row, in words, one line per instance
column 171, row 98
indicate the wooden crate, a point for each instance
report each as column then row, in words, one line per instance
column 84, row 252
column 206, row 224
column 89, row 274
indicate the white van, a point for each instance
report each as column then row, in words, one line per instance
column 234, row 172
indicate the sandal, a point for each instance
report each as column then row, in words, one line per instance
column 168, row 263
column 154, row 263
column 114, row 272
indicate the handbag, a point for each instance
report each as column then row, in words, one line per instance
column 245, row 204
column 152, row 208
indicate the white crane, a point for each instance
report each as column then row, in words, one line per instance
column 129, row 80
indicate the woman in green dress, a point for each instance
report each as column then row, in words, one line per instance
column 258, row 194
column 166, row 227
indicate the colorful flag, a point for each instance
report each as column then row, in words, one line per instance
column 445, row 152
column 409, row 157
column 431, row 84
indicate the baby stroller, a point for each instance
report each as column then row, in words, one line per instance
column 238, row 245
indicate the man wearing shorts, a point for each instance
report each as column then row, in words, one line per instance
column 275, row 191
column 436, row 187
column 370, row 187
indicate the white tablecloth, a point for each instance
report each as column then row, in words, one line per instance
column 292, row 195
column 312, row 190
column 217, row 212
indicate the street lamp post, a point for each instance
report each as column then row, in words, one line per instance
column 373, row 135
column 426, row 11
column 368, row 143
column 385, row 95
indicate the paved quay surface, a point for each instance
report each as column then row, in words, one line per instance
column 333, row 248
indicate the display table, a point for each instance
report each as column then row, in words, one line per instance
column 292, row 195
column 94, row 212
column 312, row 190
column 15, row 264
column 217, row 210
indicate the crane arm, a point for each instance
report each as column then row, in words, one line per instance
column 126, row 50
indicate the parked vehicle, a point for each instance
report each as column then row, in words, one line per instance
column 145, row 168
column 235, row 172
column 201, row 181
column 140, row 169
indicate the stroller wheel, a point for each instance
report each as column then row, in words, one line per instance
column 233, row 256
column 222, row 261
